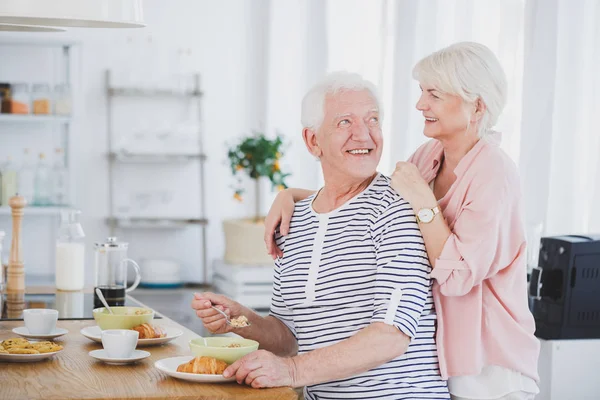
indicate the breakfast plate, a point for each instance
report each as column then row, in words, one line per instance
column 169, row 367
column 95, row 333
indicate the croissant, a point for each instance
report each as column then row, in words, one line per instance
column 203, row 365
column 148, row 331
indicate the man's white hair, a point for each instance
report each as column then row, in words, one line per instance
column 313, row 103
column 471, row 71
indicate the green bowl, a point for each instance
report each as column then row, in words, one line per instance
column 216, row 347
column 123, row 317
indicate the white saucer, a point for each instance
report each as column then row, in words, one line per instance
column 23, row 331
column 136, row 356
column 95, row 333
column 169, row 367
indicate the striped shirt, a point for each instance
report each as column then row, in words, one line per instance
column 364, row 262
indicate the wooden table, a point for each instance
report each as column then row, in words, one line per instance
column 72, row 373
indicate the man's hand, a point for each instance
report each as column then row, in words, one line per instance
column 280, row 215
column 262, row 369
column 212, row 320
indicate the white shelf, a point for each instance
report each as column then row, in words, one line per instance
column 33, row 210
column 37, row 42
column 154, row 158
column 30, row 118
column 141, row 92
column 154, row 223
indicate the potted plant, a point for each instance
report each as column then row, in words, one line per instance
column 257, row 157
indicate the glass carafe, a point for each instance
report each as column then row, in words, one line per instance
column 70, row 252
column 111, row 272
column 60, row 180
column 26, row 177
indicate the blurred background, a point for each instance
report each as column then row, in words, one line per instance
column 252, row 62
column 176, row 137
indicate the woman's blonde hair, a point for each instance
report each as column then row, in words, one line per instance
column 471, row 71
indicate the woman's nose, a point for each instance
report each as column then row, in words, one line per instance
column 422, row 104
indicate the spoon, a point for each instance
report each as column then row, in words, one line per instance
column 103, row 300
column 227, row 318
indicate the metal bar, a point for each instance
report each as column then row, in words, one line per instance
column 109, row 147
column 67, row 127
column 205, row 266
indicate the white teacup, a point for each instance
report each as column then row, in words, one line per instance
column 40, row 321
column 119, row 343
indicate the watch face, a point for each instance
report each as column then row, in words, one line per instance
column 425, row 215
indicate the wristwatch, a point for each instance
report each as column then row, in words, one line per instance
column 426, row 215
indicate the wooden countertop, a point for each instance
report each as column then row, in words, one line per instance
column 72, row 373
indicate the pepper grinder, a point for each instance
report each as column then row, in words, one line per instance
column 15, row 279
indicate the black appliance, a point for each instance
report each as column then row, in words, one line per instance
column 565, row 289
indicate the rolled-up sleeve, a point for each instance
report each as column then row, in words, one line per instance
column 482, row 240
column 279, row 309
column 402, row 281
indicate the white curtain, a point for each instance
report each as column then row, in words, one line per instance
column 383, row 39
column 561, row 101
column 423, row 27
column 290, row 55
column 550, row 50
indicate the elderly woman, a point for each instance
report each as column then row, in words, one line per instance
column 466, row 193
column 352, row 295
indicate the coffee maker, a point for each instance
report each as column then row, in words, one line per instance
column 564, row 289
column 111, row 272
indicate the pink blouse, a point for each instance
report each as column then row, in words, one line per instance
column 480, row 287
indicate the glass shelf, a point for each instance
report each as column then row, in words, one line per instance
column 154, row 223
column 29, row 118
column 141, row 92
column 36, row 210
column 154, row 158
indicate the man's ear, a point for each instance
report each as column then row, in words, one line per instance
column 311, row 142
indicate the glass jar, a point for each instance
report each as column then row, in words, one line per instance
column 40, row 95
column 62, row 99
column 60, row 180
column 42, row 195
column 5, row 97
column 20, row 99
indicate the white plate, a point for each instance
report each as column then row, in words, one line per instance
column 169, row 367
column 136, row 356
column 26, row 357
column 95, row 333
column 23, row 331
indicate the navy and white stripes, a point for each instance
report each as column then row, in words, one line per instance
column 364, row 262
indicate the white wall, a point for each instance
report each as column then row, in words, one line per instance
column 221, row 40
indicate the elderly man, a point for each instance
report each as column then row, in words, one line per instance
column 352, row 313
